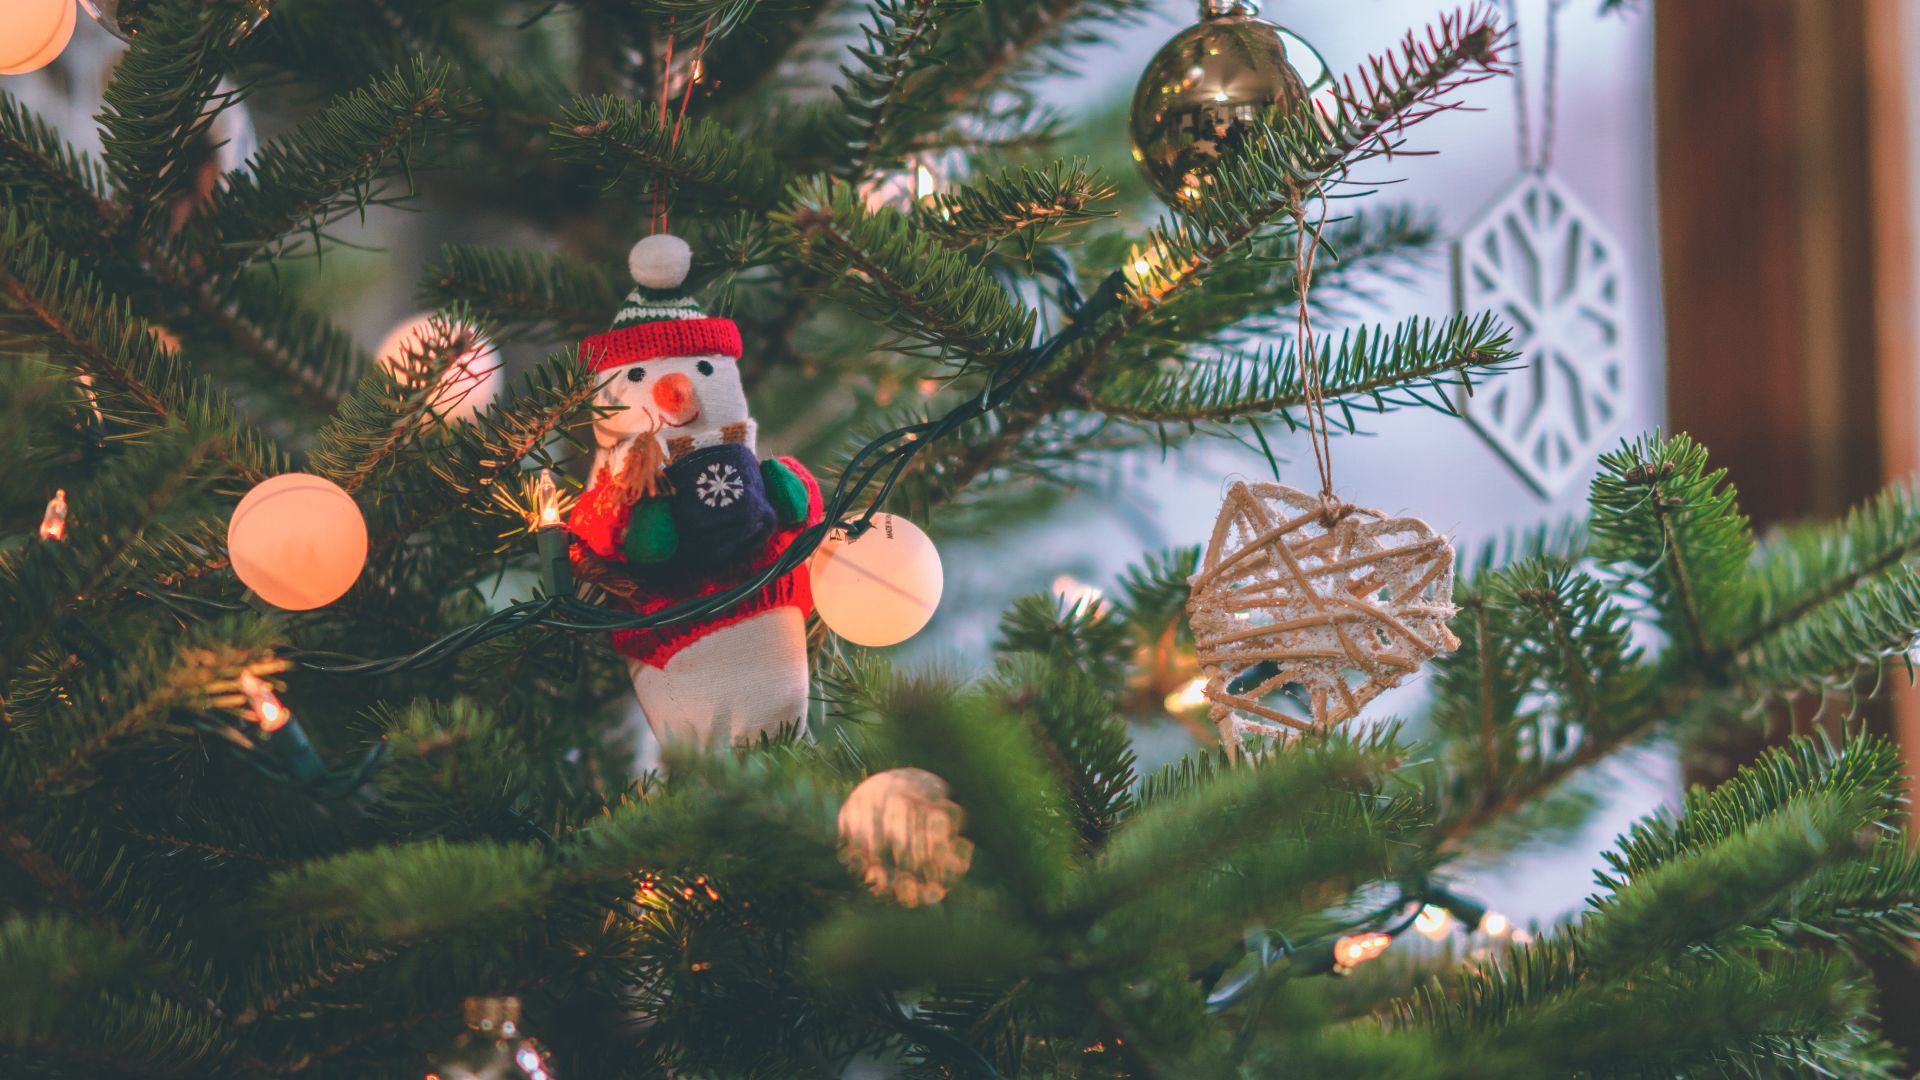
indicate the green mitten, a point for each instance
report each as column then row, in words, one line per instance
column 786, row 491
column 650, row 534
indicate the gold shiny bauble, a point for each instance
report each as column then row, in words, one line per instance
column 1206, row 92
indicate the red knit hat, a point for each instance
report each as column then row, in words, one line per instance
column 659, row 319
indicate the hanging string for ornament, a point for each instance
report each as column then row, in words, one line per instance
column 1536, row 158
column 1307, row 598
column 695, row 65
column 1306, row 247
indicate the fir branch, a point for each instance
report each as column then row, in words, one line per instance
column 192, row 1008
column 1368, row 370
column 479, row 453
column 1005, row 44
column 117, row 534
column 329, row 168
column 718, row 17
column 1071, row 718
column 1863, row 768
column 79, row 994
column 1817, row 565
column 633, row 144
column 253, row 315
column 178, row 677
column 272, row 1001
column 1024, row 206
column 38, row 167
column 98, row 333
column 900, row 37
column 1179, row 839
column 1698, row 895
column 1254, row 294
column 1833, row 600
column 1547, row 772
column 1076, row 635
column 1868, row 902
column 392, row 408
column 156, row 105
column 1675, row 526
column 404, row 892
column 523, row 292
column 938, row 299
column 1573, row 642
column 1835, row 643
column 1154, row 594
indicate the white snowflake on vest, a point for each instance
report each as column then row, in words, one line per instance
column 718, row 485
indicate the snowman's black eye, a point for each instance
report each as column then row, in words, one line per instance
column 636, row 374
column 705, row 367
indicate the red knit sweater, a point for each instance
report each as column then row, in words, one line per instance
column 599, row 522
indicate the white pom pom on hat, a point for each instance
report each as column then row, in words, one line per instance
column 660, row 261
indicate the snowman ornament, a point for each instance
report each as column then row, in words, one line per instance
column 680, row 506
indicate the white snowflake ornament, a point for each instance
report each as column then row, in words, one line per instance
column 1315, row 602
column 1542, row 262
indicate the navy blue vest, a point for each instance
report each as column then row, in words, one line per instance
column 720, row 508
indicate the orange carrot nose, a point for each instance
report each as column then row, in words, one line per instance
column 673, row 395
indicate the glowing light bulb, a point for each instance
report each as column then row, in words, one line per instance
column 1494, row 924
column 1189, row 697
column 1078, row 593
column 53, row 524
column 1356, row 949
column 923, row 189
column 1149, row 271
column 267, row 710
column 546, row 501
column 1433, row 922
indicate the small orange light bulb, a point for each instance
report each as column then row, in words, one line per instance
column 1189, row 697
column 53, row 524
column 546, row 501
column 1356, row 949
column 1078, row 593
column 267, row 710
column 1433, row 922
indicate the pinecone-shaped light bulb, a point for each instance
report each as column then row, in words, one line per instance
column 492, row 1047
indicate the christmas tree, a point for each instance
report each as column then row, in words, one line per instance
column 370, row 813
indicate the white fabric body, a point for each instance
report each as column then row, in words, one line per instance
column 732, row 686
column 717, row 399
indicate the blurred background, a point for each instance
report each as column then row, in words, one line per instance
column 1695, row 215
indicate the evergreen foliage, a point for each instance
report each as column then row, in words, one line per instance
column 179, row 898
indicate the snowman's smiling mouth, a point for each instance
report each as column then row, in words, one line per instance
column 682, row 423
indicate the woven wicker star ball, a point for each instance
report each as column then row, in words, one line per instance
column 1305, row 608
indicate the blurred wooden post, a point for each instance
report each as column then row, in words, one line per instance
column 1786, row 251
column 1788, row 276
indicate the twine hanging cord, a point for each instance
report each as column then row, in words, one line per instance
column 1312, row 371
column 1539, row 158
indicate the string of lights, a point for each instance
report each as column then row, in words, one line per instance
column 884, row 459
